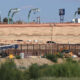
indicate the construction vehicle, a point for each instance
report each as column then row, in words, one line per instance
column 6, row 47
column 67, row 53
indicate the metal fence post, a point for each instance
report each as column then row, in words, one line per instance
column 45, row 50
column 57, row 48
column 75, row 49
column 33, row 50
column 69, row 47
column 21, row 47
column 39, row 50
column 27, row 48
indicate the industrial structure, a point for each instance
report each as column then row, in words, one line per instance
column 61, row 14
column 13, row 11
column 41, row 32
column 32, row 10
column 76, row 20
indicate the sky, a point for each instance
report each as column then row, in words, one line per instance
column 49, row 9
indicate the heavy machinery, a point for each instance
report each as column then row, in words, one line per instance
column 67, row 53
column 76, row 20
column 14, row 10
column 34, row 10
column 6, row 47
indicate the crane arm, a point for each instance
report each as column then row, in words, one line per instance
column 35, row 10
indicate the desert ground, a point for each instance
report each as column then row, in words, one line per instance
column 26, row 62
column 40, row 33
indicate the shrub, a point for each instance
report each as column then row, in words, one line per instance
column 34, row 71
column 59, row 55
column 9, row 71
column 54, row 78
column 27, row 75
column 61, row 70
column 68, row 69
column 52, row 57
column 71, row 60
column 18, row 57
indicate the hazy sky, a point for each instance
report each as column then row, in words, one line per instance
column 48, row 9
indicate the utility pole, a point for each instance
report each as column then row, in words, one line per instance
column 51, row 31
column 51, row 25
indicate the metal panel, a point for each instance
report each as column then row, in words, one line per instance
column 61, row 11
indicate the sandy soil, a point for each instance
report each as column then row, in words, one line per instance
column 26, row 62
column 60, row 33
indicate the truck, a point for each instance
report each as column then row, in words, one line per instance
column 3, row 49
